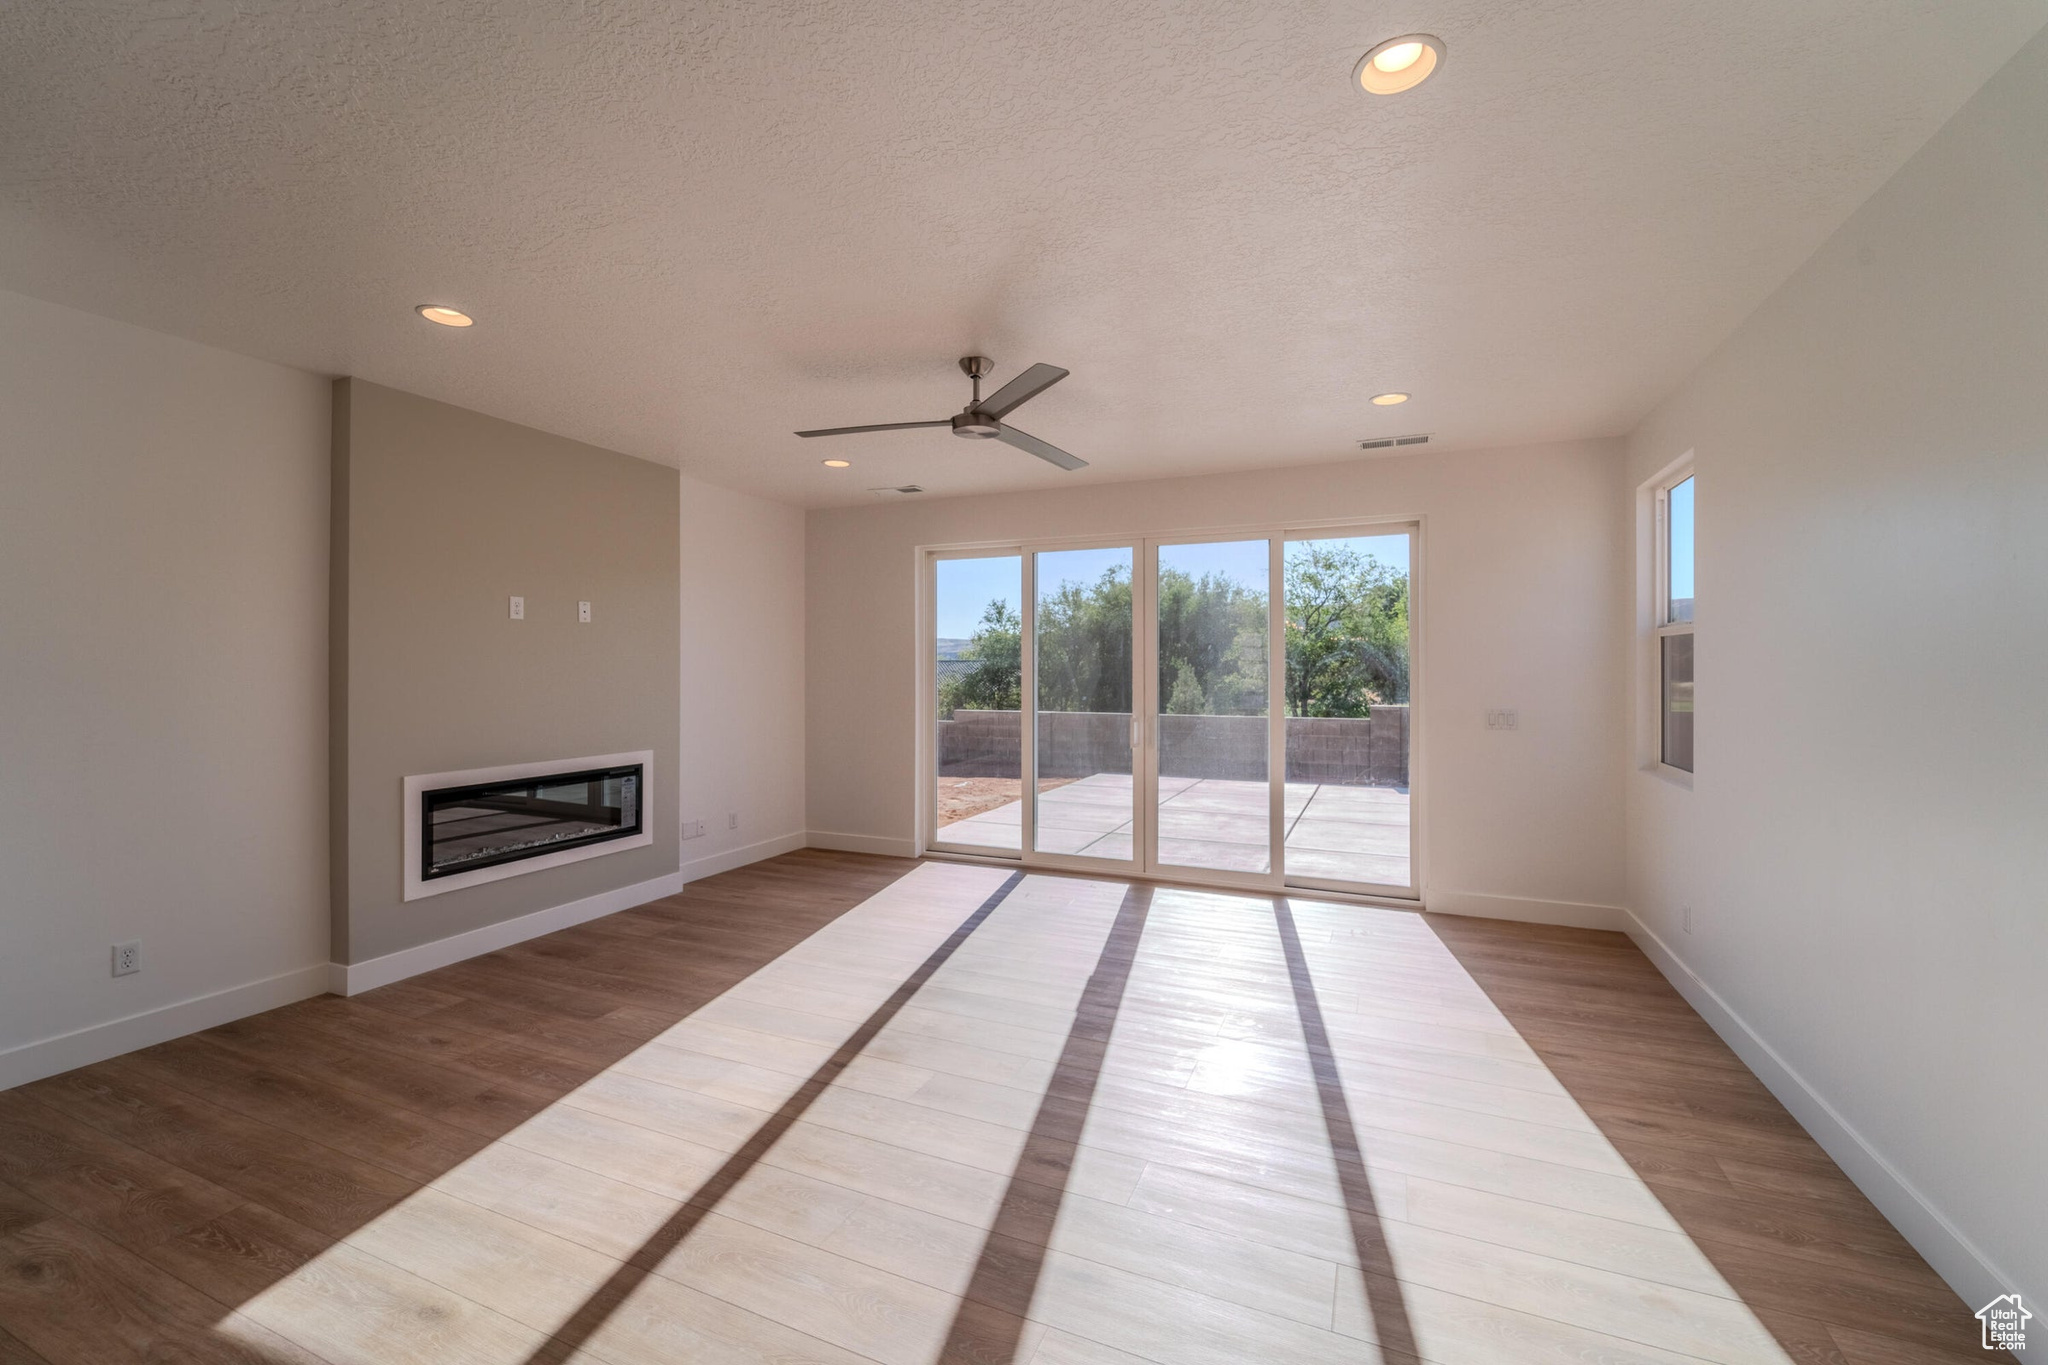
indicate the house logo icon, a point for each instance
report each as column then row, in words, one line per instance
column 2005, row 1323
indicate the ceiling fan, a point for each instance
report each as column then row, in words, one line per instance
column 981, row 419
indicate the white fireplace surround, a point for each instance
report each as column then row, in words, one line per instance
column 417, row 887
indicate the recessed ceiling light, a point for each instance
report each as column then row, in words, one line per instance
column 447, row 317
column 1387, row 400
column 1399, row 64
column 839, row 464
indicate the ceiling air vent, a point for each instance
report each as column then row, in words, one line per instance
column 902, row 490
column 1388, row 442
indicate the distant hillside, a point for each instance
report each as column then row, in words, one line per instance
column 950, row 663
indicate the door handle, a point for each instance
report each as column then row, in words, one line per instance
column 1134, row 733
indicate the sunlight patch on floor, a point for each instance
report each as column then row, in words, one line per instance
column 1203, row 1218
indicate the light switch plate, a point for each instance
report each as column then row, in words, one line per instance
column 583, row 612
column 1502, row 720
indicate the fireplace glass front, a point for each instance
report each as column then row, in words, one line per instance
column 465, row 828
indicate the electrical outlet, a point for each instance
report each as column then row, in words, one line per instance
column 1502, row 720
column 519, row 609
column 127, row 958
column 583, row 612
column 732, row 819
column 1685, row 917
column 693, row 829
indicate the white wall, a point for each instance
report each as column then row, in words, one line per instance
column 743, row 677
column 1866, row 846
column 163, row 683
column 1522, row 604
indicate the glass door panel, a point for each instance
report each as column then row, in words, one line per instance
column 1214, row 791
column 1082, row 640
column 1347, row 705
column 978, row 672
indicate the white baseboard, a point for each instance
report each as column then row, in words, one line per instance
column 356, row 977
column 83, row 1047
column 714, row 863
column 1573, row 914
column 1954, row 1257
column 863, row 843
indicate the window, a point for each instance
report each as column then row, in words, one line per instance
column 1674, row 623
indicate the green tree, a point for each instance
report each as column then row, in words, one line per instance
column 1186, row 697
column 996, row 682
column 1383, row 649
column 1346, row 635
column 1212, row 645
column 1084, row 645
column 1347, row 631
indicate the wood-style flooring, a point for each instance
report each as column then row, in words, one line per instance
column 841, row 1109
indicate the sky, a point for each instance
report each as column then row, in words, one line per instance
column 1681, row 540
column 967, row 586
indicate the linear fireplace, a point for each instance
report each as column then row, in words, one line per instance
column 486, row 824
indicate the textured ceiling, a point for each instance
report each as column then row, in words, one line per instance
column 689, row 229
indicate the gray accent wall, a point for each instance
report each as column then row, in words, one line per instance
column 440, row 516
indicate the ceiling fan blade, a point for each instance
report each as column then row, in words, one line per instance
column 884, row 426
column 1022, row 389
column 1046, row 451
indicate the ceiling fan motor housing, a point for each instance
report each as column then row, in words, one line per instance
column 976, row 426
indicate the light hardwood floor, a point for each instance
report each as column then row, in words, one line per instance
column 840, row 1109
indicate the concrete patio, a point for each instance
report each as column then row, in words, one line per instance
column 1340, row 833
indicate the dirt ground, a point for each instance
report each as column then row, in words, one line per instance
column 960, row 797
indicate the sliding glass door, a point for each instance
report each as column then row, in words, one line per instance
column 1233, row 710
column 1083, row 665
column 977, row 644
column 1346, row 692
column 1212, row 788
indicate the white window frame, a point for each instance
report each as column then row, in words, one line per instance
column 1145, row 545
column 1662, row 627
column 928, row 695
